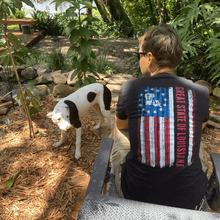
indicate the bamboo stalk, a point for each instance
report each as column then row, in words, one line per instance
column 19, row 83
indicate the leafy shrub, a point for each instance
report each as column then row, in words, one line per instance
column 198, row 28
column 19, row 14
column 51, row 24
column 33, row 103
column 56, row 60
column 110, row 30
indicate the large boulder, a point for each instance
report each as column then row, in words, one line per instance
column 206, row 84
column 40, row 92
column 29, row 73
column 46, row 78
column 61, row 91
column 216, row 92
column 58, row 78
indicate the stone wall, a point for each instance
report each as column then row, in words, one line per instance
column 118, row 51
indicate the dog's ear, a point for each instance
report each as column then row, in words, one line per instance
column 74, row 114
column 50, row 114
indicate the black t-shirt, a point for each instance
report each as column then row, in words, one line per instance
column 165, row 115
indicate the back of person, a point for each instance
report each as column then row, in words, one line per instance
column 165, row 115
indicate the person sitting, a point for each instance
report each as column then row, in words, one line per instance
column 157, row 159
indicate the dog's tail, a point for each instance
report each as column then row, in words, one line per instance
column 107, row 97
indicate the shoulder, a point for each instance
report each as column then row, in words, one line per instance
column 194, row 86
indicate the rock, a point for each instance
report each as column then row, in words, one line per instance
column 4, row 110
column 206, row 84
column 46, row 78
column 213, row 124
column 41, row 70
column 29, row 73
column 40, row 92
column 215, row 118
column 10, row 72
column 216, row 92
column 62, row 91
column 58, row 78
column 73, row 81
column 56, row 72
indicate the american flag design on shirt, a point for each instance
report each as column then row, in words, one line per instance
column 166, row 126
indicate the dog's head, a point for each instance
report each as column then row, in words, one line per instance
column 65, row 115
column 60, row 116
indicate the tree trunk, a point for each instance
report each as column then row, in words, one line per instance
column 118, row 14
column 88, row 11
column 160, row 11
column 101, row 7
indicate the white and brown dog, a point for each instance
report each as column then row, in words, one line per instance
column 69, row 110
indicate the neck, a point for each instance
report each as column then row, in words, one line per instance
column 162, row 69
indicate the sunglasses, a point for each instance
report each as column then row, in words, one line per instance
column 139, row 53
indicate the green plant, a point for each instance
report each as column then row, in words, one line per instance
column 198, row 28
column 102, row 65
column 19, row 14
column 136, row 67
column 110, row 30
column 56, row 60
column 32, row 102
column 6, row 7
column 51, row 24
column 10, row 181
column 80, row 36
column 33, row 57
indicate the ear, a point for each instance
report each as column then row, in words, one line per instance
column 50, row 114
column 74, row 114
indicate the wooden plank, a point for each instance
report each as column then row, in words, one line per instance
column 31, row 38
column 19, row 21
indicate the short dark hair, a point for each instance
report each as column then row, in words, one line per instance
column 164, row 43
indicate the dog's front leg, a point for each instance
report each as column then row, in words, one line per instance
column 61, row 140
column 78, row 142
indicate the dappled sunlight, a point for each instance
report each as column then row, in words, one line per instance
column 52, row 183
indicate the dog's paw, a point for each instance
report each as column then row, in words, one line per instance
column 77, row 155
column 56, row 144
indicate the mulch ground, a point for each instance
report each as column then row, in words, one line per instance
column 52, row 183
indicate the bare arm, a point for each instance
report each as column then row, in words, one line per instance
column 119, row 125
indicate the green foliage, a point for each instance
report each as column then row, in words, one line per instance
column 51, row 24
column 10, row 181
column 33, row 57
column 56, row 60
column 198, row 28
column 102, row 65
column 19, row 14
column 10, row 6
column 80, row 36
column 136, row 67
column 7, row 8
column 110, row 30
column 142, row 14
column 33, row 103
